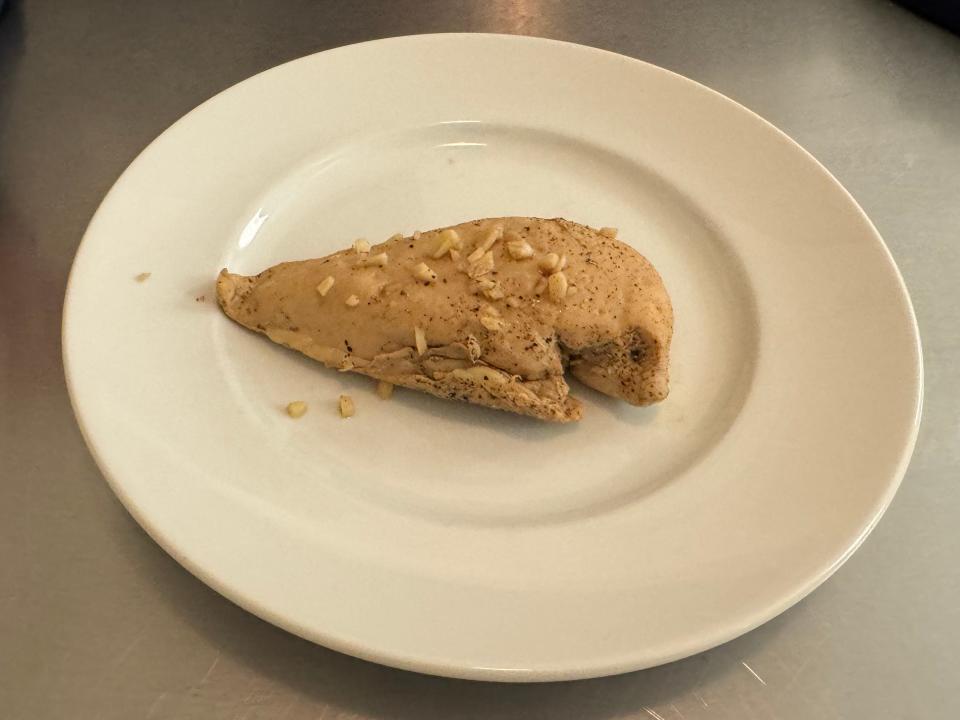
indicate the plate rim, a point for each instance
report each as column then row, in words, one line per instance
column 722, row 634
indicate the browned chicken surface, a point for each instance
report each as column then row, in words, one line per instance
column 492, row 312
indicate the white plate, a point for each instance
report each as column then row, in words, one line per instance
column 452, row 539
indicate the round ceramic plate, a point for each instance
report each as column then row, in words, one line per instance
column 453, row 539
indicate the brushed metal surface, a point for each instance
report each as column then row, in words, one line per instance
column 97, row 622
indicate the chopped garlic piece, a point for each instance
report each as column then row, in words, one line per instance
column 297, row 409
column 420, row 338
column 513, row 302
column 443, row 247
column 361, row 246
column 557, row 287
column 490, row 318
column 453, row 238
column 324, row 287
column 346, row 406
column 395, row 236
column 384, row 390
column 495, row 234
column 610, row 232
column 423, row 273
column 492, row 323
column 378, row 260
column 454, row 255
column 519, row 249
column 416, row 234
column 449, row 240
column 495, row 292
column 482, row 266
column 352, row 301
column 548, row 263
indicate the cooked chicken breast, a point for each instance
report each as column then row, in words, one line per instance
column 491, row 312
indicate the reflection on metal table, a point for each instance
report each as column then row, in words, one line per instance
column 97, row 621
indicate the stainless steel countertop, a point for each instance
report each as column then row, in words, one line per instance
column 97, row 622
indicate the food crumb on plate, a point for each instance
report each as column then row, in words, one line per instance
column 297, row 409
